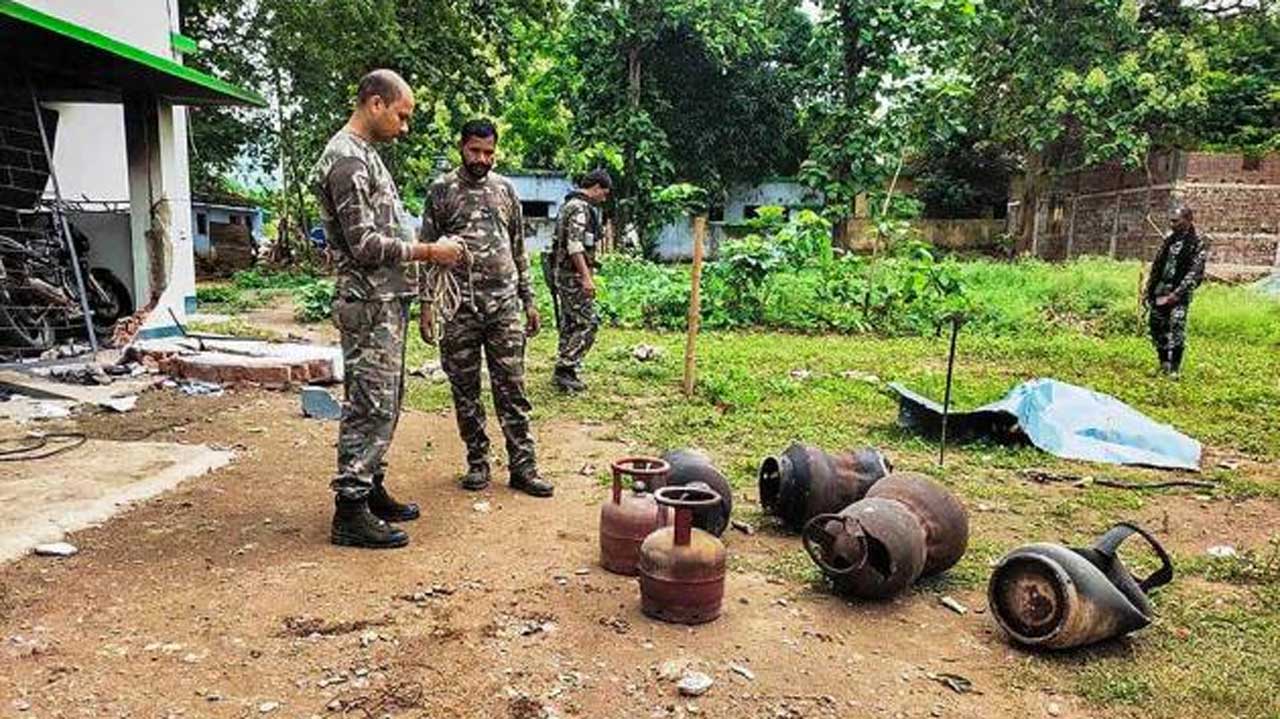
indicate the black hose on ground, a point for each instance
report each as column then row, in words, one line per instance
column 30, row 446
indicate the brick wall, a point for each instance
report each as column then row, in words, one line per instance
column 23, row 170
column 1236, row 200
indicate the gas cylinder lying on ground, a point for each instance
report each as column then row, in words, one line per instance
column 682, row 568
column 1051, row 596
column 627, row 517
column 907, row 527
column 691, row 468
column 804, row 481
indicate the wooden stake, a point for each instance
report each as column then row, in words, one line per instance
column 695, row 303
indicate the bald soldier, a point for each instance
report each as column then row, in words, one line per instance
column 373, row 243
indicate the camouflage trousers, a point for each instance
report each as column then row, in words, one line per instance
column 373, row 335
column 578, row 324
column 1168, row 326
column 496, row 335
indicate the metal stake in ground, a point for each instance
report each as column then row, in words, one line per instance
column 946, row 400
column 695, row 303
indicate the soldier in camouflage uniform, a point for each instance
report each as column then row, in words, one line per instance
column 480, row 208
column 367, row 230
column 1175, row 274
column 573, row 257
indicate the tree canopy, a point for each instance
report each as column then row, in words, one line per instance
column 844, row 94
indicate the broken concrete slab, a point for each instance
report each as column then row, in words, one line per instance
column 230, row 361
column 41, row 500
column 115, row 396
column 21, row 409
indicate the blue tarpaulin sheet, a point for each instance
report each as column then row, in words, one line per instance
column 1064, row 420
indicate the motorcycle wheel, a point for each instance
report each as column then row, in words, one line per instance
column 115, row 304
column 29, row 330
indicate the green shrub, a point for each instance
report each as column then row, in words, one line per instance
column 314, row 302
column 783, row 274
column 263, row 279
column 217, row 294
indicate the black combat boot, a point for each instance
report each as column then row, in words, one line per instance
column 1175, row 360
column 476, row 478
column 532, row 484
column 1166, row 361
column 355, row 526
column 566, row 379
column 385, row 507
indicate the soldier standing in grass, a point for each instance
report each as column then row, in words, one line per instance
column 573, row 256
column 1176, row 272
column 368, row 232
column 481, row 209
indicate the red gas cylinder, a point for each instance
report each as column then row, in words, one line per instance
column 628, row 517
column 682, row 568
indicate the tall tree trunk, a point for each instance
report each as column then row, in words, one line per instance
column 852, row 59
column 1033, row 181
column 626, row 212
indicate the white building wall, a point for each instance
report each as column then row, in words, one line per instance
column 91, row 159
column 780, row 193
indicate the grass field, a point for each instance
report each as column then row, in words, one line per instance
column 1216, row 648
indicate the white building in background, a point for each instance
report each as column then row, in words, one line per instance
column 112, row 71
column 542, row 194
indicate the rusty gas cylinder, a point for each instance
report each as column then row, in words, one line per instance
column 805, row 481
column 692, row 467
column 905, row 528
column 627, row 517
column 682, row 568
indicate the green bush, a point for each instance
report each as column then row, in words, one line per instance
column 261, row 279
column 314, row 302
column 217, row 294
column 783, row 274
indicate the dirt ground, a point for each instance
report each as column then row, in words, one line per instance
column 223, row 598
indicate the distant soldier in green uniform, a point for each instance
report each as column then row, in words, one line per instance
column 480, row 208
column 573, row 255
column 1176, row 272
column 368, row 230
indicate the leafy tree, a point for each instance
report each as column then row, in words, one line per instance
column 223, row 138
column 696, row 91
column 1085, row 82
column 876, row 85
column 306, row 56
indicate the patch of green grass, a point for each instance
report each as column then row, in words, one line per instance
column 1110, row 684
column 972, row 571
column 1256, row 567
column 1208, row 655
column 235, row 327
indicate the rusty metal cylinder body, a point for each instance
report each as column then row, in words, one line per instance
column 682, row 568
column 691, row 468
column 805, row 481
column 1054, row 597
column 630, row 515
column 907, row 527
column 943, row 517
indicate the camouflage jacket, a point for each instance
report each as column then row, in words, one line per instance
column 577, row 231
column 1178, row 268
column 484, row 215
column 364, row 221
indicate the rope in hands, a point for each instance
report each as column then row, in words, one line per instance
column 443, row 297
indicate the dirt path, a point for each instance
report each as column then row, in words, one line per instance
column 223, row 598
